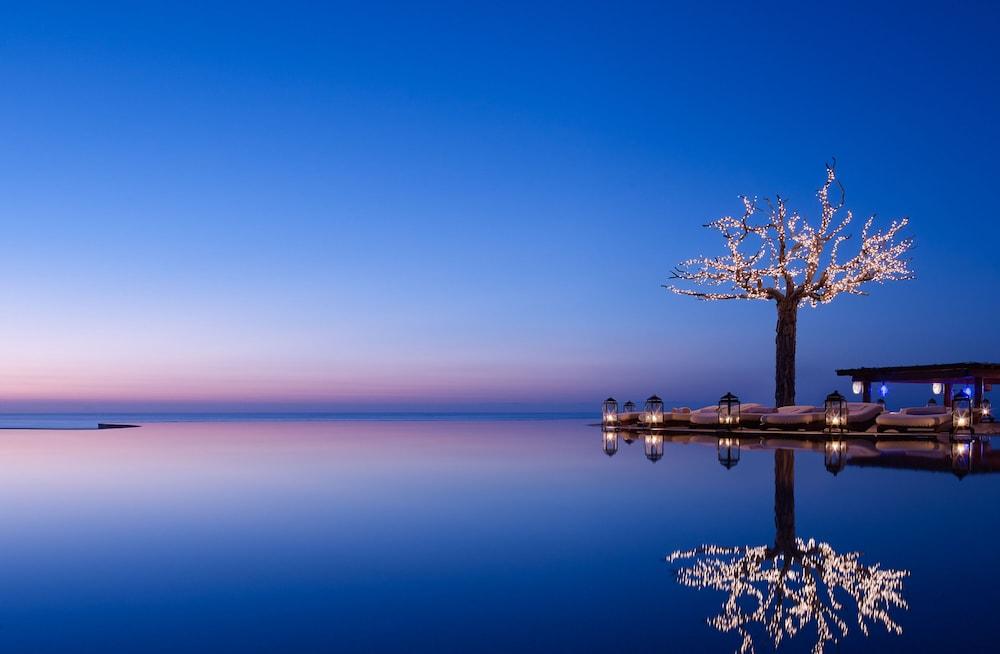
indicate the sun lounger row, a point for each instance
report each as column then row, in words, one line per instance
column 861, row 416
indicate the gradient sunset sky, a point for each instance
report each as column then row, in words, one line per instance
column 365, row 206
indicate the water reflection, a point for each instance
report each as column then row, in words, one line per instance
column 795, row 584
column 653, row 447
column 728, row 452
column 610, row 438
column 835, row 455
column 798, row 585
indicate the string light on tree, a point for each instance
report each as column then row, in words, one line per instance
column 792, row 263
column 785, row 592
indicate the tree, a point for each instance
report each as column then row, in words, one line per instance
column 787, row 261
column 793, row 584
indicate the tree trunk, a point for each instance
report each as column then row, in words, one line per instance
column 784, row 365
column 784, row 502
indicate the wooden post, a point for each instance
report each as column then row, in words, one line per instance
column 866, row 395
column 977, row 392
column 947, row 394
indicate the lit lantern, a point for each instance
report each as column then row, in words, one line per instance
column 629, row 407
column 609, row 411
column 961, row 458
column 961, row 414
column 729, row 411
column 987, row 412
column 610, row 442
column 729, row 452
column 654, row 447
column 857, row 387
column 653, row 413
column 835, row 408
column 937, row 388
column 835, row 455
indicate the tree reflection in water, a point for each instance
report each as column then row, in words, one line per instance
column 794, row 584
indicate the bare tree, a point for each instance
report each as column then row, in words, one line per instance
column 786, row 260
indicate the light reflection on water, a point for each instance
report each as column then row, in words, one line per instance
column 446, row 537
column 772, row 593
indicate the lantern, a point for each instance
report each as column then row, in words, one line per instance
column 835, row 408
column 987, row 412
column 937, row 388
column 857, row 387
column 628, row 437
column 653, row 414
column 835, row 455
column 961, row 458
column 961, row 414
column 932, row 402
column 609, row 411
column 610, row 442
column 629, row 407
column 729, row 452
column 729, row 411
column 654, row 447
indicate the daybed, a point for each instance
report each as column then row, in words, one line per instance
column 920, row 418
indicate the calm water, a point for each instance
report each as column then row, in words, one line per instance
column 455, row 536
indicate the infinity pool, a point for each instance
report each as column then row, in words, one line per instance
column 485, row 536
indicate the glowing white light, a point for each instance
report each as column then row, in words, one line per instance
column 793, row 258
column 857, row 387
column 937, row 388
column 784, row 592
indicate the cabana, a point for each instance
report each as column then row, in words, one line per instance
column 942, row 376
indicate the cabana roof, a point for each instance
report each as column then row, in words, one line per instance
column 968, row 372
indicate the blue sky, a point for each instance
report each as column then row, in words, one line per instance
column 374, row 205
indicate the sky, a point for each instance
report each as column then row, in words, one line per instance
column 469, row 206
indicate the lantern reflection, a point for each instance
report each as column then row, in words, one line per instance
column 610, row 442
column 961, row 458
column 653, row 447
column 835, row 455
column 728, row 451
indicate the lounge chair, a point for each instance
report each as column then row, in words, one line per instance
column 751, row 415
column 862, row 415
column 709, row 416
column 796, row 416
column 919, row 418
